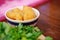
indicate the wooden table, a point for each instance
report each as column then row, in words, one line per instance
column 49, row 20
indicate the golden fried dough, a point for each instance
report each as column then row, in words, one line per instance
column 16, row 10
column 10, row 14
column 28, row 13
column 18, row 14
column 15, row 14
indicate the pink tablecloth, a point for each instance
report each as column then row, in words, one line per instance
column 6, row 4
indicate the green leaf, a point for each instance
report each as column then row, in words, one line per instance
column 1, row 28
column 7, row 27
column 1, row 24
column 29, row 35
column 48, row 38
column 37, row 29
column 20, row 32
column 24, row 38
column 20, row 26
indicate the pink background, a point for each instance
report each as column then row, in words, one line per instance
column 6, row 4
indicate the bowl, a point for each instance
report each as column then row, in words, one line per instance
column 37, row 13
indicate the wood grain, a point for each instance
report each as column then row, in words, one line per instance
column 49, row 20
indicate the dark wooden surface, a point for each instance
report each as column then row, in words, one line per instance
column 49, row 20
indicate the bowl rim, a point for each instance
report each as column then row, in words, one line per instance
column 19, row 21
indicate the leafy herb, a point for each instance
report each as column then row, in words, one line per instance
column 20, row 32
column 48, row 38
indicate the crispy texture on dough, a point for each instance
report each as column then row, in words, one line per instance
column 28, row 13
column 15, row 14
